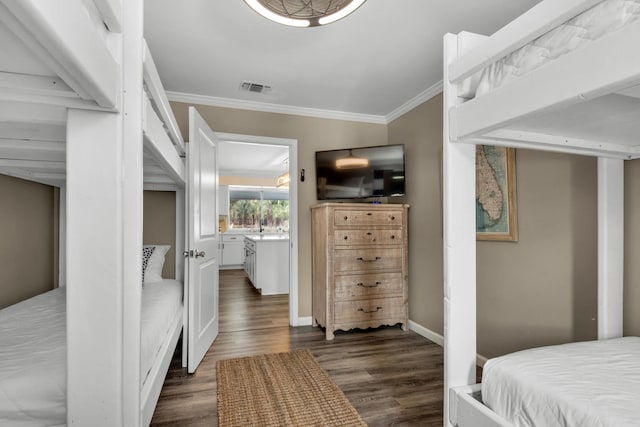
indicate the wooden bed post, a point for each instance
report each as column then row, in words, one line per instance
column 181, row 272
column 610, row 247
column 459, row 247
column 62, row 237
column 104, row 242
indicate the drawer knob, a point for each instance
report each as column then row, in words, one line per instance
column 375, row 285
column 368, row 233
column 393, row 218
column 369, row 213
column 370, row 311
column 346, row 237
column 393, row 237
column 369, row 260
column 346, row 217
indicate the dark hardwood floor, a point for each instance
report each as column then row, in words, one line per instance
column 392, row 377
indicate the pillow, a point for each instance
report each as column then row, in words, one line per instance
column 146, row 254
column 153, row 272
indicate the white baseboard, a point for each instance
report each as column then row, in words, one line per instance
column 304, row 321
column 438, row 339
column 427, row 333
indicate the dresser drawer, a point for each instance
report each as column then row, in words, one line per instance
column 369, row 259
column 367, row 237
column 368, row 309
column 368, row 285
column 355, row 217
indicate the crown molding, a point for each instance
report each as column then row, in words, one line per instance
column 214, row 101
column 424, row 96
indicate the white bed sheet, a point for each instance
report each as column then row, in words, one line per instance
column 586, row 384
column 161, row 302
column 33, row 367
column 593, row 24
column 33, row 352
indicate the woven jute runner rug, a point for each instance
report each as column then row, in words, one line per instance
column 281, row 389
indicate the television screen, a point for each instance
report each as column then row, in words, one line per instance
column 360, row 172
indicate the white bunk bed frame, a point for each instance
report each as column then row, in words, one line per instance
column 510, row 116
column 96, row 123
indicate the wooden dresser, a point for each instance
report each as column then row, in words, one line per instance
column 360, row 265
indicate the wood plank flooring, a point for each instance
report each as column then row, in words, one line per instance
column 392, row 377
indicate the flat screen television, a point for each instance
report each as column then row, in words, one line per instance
column 362, row 172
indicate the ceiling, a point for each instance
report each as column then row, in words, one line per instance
column 248, row 159
column 371, row 66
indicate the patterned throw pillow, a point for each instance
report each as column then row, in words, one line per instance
column 147, row 251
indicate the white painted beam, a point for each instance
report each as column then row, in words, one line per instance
column 181, row 271
column 62, row 237
column 18, row 149
column 36, row 85
column 52, row 179
column 95, row 285
column 159, row 98
column 541, row 91
column 30, row 113
column 70, row 43
column 33, row 165
column 132, row 196
column 459, row 249
column 111, row 11
column 39, row 132
column 36, row 90
column 158, row 144
column 610, row 247
column 557, row 143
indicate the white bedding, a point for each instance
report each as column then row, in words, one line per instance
column 161, row 301
column 586, row 384
column 591, row 25
column 33, row 352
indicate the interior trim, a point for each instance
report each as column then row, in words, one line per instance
column 273, row 108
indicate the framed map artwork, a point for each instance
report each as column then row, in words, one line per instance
column 496, row 214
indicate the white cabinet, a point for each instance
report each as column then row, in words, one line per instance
column 223, row 200
column 232, row 250
column 267, row 263
column 250, row 259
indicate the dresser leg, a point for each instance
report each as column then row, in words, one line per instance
column 404, row 326
column 329, row 334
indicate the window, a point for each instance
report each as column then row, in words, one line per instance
column 249, row 207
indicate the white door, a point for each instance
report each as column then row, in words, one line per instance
column 202, row 239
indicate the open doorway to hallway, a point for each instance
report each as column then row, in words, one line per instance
column 258, row 182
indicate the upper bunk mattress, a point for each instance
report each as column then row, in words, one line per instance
column 586, row 384
column 593, row 24
column 33, row 345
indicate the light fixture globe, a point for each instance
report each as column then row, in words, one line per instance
column 304, row 13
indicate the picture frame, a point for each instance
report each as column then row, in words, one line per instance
column 496, row 207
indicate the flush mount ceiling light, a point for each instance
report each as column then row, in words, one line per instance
column 352, row 162
column 304, row 13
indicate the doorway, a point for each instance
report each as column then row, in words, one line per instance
column 291, row 166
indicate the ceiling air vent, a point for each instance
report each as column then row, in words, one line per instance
column 254, row 87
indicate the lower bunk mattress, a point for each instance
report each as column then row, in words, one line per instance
column 33, row 351
column 585, row 384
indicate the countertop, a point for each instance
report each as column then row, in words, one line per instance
column 267, row 237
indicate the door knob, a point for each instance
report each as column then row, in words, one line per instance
column 200, row 254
